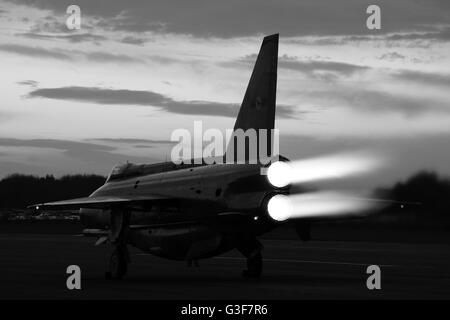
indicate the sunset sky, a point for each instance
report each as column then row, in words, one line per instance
column 79, row 101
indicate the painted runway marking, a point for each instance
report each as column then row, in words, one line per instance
column 310, row 261
column 295, row 261
column 400, row 247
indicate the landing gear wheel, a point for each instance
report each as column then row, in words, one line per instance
column 251, row 248
column 254, row 267
column 118, row 265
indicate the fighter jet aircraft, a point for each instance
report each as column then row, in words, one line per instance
column 194, row 211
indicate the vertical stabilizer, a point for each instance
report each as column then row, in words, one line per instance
column 258, row 107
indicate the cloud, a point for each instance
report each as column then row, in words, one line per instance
column 30, row 83
column 78, row 157
column 55, row 144
column 439, row 35
column 405, row 38
column 93, row 56
column 132, row 140
column 74, row 149
column 164, row 59
column 235, row 18
column 133, row 40
column 5, row 116
column 314, row 68
column 142, row 146
column 99, row 56
column 392, row 56
column 11, row 167
column 53, row 27
column 425, row 78
column 366, row 100
column 75, row 37
column 34, row 51
column 146, row 98
column 53, row 23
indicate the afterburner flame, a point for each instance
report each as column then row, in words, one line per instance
column 329, row 203
column 281, row 174
column 279, row 207
column 319, row 204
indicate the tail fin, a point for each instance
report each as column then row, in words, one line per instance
column 258, row 107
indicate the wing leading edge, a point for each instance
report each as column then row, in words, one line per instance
column 101, row 202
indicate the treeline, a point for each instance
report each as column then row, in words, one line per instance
column 19, row 191
column 427, row 193
column 430, row 191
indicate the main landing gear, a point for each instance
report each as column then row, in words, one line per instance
column 118, row 263
column 251, row 248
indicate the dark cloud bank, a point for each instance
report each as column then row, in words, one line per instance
column 145, row 98
column 234, row 18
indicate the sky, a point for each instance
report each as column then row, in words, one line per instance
column 79, row 101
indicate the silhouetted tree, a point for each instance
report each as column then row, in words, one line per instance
column 425, row 187
column 19, row 191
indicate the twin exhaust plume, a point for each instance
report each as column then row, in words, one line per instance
column 325, row 203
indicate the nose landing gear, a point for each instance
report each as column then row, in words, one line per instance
column 118, row 262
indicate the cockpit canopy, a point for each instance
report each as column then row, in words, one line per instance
column 129, row 170
column 124, row 170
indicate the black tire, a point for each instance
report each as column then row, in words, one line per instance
column 254, row 267
column 118, row 266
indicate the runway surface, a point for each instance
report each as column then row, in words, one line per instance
column 34, row 266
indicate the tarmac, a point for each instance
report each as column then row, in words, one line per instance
column 33, row 266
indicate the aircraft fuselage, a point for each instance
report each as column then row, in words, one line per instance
column 214, row 205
